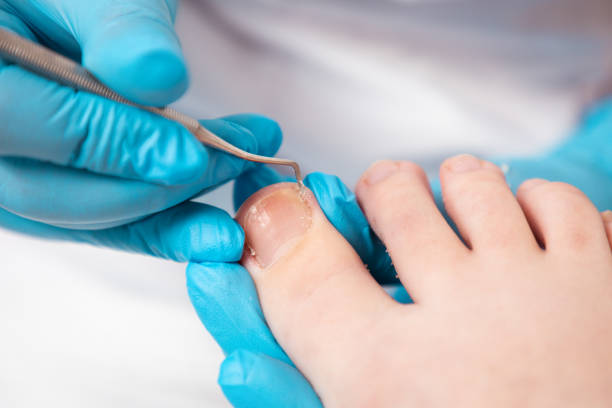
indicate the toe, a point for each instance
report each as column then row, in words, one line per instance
column 478, row 199
column 399, row 205
column 315, row 292
column 563, row 218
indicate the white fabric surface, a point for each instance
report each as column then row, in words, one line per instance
column 350, row 82
column 354, row 81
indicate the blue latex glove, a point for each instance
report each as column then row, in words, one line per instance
column 80, row 162
column 256, row 372
column 188, row 231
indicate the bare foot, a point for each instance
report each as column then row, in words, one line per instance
column 518, row 314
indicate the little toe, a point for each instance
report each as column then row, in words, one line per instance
column 478, row 199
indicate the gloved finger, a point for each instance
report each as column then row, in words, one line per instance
column 226, row 302
column 188, row 232
column 130, row 45
column 255, row 380
column 46, row 121
column 85, row 200
column 339, row 205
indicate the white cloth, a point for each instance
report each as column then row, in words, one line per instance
column 350, row 82
column 356, row 81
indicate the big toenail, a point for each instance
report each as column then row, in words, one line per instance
column 276, row 221
column 380, row 170
column 463, row 163
column 607, row 216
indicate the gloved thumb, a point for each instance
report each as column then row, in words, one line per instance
column 132, row 47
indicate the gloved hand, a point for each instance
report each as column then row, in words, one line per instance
column 256, row 372
column 80, row 162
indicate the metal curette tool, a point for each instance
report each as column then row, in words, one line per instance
column 56, row 67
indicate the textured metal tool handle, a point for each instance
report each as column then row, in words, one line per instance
column 58, row 68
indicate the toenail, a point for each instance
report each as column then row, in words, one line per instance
column 529, row 184
column 275, row 221
column 607, row 216
column 463, row 163
column 380, row 170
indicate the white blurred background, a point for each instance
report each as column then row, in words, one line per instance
column 350, row 81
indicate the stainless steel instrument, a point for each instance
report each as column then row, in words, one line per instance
column 56, row 67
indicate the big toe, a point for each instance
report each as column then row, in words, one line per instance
column 315, row 292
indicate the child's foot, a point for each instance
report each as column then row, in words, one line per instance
column 497, row 321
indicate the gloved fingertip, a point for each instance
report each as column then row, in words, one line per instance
column 140, row 58
column 340, row 206
column 201, row 233
column 328, row 187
